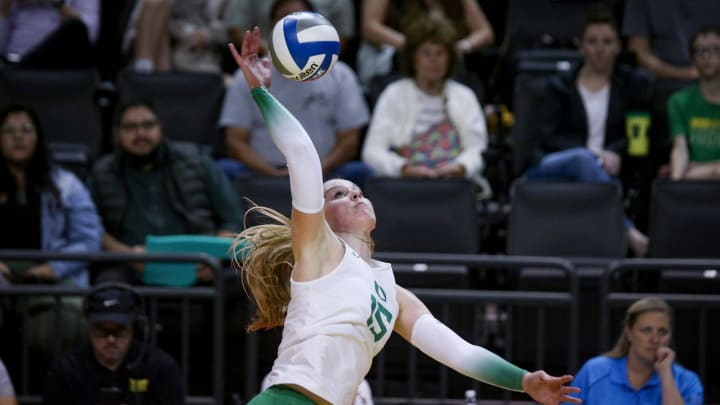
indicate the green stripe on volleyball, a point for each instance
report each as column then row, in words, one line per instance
column 304, row 46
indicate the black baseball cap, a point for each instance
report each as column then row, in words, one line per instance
column 111, row 305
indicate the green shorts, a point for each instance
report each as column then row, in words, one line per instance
column 280, row 395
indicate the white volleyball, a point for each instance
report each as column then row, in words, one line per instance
column 304, row 46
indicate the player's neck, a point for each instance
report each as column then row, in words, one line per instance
column 361, row 244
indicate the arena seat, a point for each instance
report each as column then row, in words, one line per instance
column 65, row 103
column 566, row 219
column 684, row 219
column 188, row 104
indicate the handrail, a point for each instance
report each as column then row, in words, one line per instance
column 569, row 298
column 506, row 261
column 610, row 299
column 216, row 294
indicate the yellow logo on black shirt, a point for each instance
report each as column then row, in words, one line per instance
column 140, row 385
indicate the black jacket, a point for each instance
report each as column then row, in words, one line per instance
column 563, row 122
column 77, row 378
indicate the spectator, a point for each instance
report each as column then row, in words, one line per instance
column 114, row 368
column 658, row 32
column 49, row 209
column 583, row 135
column 198, row 34
column 243, row 15
column 49, row 34
column 384, row 23
column 641, row 368
column 427, row 125
column 333, row 109
column 7, row 392
column 695, row 113
column 146, row 37
column 150, row 186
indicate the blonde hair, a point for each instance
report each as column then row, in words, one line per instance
column 639, row 307
column 263, row 254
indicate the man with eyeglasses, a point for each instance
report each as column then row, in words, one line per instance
column 694, row 114
column 114, row 368
column 150, row 186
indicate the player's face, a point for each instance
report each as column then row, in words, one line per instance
column 346, row 208
column 600, row 47
column 138, row 132
column 110, row 341
column 706, row 55
column 650, row 332
column 431, row 62
column 18, row 138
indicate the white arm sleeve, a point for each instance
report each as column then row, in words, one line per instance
column 439, row 342
column 294, row 143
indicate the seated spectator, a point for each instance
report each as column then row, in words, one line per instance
column 150, row 186
column 7, row 392
column 583, row 136
column 146, row 36
column 243, row 15
column 332, row 109
column 49, row 209
column 114, row 367
column 694, row 114
column 641, row 368
column 198, row 35
column 384, row 23
column 657, row 32
column 427, row 125
column 49, row 34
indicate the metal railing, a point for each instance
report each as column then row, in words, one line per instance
column 701, row 302
column 215, row 294
column 467, row 298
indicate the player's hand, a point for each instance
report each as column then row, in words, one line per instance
column 549, row 390
column 255, row 70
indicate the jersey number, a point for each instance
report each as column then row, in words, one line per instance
column 380, row 317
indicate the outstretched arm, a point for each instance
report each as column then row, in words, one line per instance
column 422, row 330
column 313, row 241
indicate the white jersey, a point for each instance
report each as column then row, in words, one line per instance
column 334, row 326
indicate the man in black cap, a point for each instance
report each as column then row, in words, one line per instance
column 114, row 368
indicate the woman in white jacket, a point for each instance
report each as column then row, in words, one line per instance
column 427, row 125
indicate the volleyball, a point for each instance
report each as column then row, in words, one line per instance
column 304, row 46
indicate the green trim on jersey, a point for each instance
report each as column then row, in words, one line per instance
column 280, row 395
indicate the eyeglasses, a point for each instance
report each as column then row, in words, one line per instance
column 26, row 129
column 701, row 51
column 134, row 126
column 118, row 332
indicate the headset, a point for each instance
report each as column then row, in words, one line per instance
column 139, row 317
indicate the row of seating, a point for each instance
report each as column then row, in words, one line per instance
column 545, row 219
column 72, row 106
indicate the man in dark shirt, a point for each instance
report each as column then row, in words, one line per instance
column 151, row 186
column 114, row 368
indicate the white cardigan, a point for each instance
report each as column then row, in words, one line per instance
column 394, row 118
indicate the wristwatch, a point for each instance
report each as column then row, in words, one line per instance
column 58, row 4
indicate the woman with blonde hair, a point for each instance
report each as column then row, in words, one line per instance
column 314, row 274
column 641, row 367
